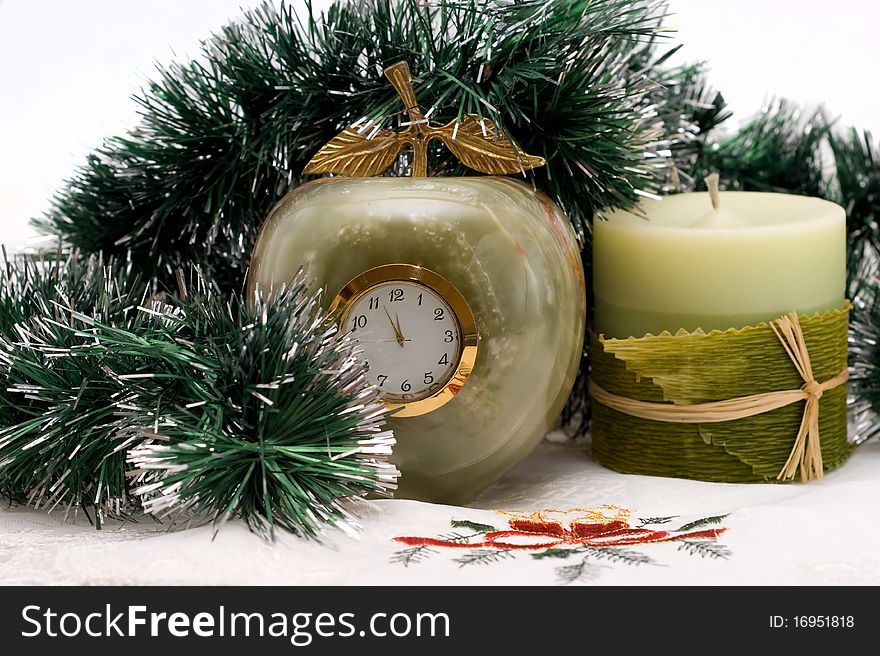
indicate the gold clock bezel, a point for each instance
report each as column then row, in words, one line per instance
column 467, row 327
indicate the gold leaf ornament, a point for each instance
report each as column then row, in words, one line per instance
column 476, row 145
column 364, row 151
column 355, row 154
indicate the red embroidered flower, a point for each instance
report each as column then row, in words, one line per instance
column 607, row 526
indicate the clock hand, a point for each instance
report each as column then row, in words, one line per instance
column 381, row 341
column 396, row 327
column 399, row 330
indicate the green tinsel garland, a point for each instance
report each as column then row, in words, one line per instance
column 57, row 410
column 117, row 401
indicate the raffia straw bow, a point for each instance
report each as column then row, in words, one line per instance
column 806, row 454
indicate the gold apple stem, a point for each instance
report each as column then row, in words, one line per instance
column 417, row 133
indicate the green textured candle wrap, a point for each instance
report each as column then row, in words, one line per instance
column 693, row 368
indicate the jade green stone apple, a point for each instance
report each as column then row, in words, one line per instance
column 467, row 294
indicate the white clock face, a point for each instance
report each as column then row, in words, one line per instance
column 410, row 337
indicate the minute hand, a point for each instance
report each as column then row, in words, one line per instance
column 396, row 326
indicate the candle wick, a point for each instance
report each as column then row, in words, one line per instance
column 712, row 184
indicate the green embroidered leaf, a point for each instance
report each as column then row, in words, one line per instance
column 482, row 557
column 474, row 526
column 554, row 553
column 455, row 537
column 702, row 523
column 618, row 555
column 411, row 556
column 646, row 521
column 705, row 549
column 584, row 570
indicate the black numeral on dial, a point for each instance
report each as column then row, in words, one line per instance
column 438, row 314
column 395, row 295
column 359, row 321
column 449, row 336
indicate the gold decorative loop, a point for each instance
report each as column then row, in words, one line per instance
column 806, row 454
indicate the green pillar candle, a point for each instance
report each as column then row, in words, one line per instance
column 730, row 263
column 684, row 262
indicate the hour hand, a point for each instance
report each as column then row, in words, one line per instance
column 396, row 326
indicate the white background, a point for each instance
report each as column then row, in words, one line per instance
column 68, row 69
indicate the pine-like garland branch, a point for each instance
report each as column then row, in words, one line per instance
column 857, row 187
column 778, row 150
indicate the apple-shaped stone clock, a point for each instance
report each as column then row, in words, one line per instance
column 466, row 293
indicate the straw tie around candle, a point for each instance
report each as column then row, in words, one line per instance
column 805, row 456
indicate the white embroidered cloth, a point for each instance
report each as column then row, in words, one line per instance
column 629, row 530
